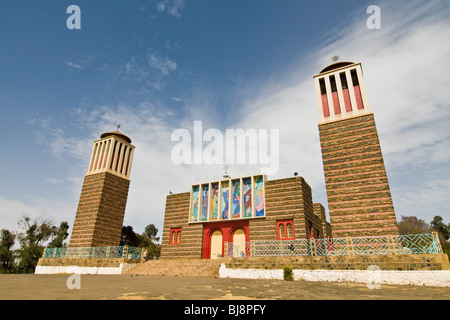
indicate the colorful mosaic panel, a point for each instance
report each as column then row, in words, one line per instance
column 195, row 203
column 259, row 196
column 247, row 193
column 225, row 199
column 236, row 199
column 205, row 202
column 215, row 201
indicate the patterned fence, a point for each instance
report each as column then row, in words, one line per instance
column 94, row 252
column 390, row 244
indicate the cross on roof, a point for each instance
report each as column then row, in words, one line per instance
column 335, row 58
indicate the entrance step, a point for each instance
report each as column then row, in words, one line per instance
column 177, row 267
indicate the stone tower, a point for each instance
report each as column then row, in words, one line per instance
column 359, row 197
column 101, row 209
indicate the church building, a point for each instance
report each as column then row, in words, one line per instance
column 201, row 222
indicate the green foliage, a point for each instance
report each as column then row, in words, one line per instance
column 129, row 237
column 32, row 240
column 7, row 241
column 288, row 273
column 60, row 234
column 32, row 243
column 147, row 240
column 150, row 232
column 439, row 225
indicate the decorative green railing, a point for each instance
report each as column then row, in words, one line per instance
column 390, row 244
column 94, row 252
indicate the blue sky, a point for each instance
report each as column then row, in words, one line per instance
column 157, row 65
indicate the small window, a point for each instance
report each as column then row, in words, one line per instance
column 323, row 89
column 281, row 233
column 175, row 236
column 289, row 230
column 333, row 84
column 343, row 81
column 285, row 230
column 354, row 77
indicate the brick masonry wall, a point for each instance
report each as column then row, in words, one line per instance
column 177, row 216
column 101, row 209
column 319, row 210
column 359, row 197
column 288, row 198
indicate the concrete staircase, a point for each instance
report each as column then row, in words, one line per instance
column 177, row 267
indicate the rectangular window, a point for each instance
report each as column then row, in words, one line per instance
column 354, row 77
column 343, row 81
column 357, row 90
column 323, row 89
column 175, row 236
column 345, row 93
column 334, row 94
column 333, row 84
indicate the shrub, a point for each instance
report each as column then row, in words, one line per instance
column 288, row 273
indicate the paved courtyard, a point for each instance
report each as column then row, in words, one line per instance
column 132, row 287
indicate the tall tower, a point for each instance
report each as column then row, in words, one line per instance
column 101, row 209
column 359, row 197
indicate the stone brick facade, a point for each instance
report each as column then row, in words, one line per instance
column 287, row 199
column 101, row 209
column 359, row 198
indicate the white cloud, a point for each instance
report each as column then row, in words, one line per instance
column 173, row 7
column 163, row 65
column 161, row 6
column 56, row 210
column 74, row 65
column 81, row 62
column 404, row 65
column 405, row 71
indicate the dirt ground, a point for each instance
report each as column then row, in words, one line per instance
column 132, row 287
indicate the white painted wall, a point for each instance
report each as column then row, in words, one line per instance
column 80, row 270
column 440, row 278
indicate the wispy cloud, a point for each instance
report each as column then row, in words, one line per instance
column 407, row 89
column 80, row 63
column 403, row 64
column 74, row 65
column 172, row 7
column 162, row 64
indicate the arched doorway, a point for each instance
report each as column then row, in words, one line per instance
column 216, row 244
column 239, row 243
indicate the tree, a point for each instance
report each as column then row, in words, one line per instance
column 32, row 242
column 129, row 237
column 59, row 235
column 413, row 225
column 439, row 225
column 147, row 240
column 153, row 248
column 150, row 232
column 7, row 241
